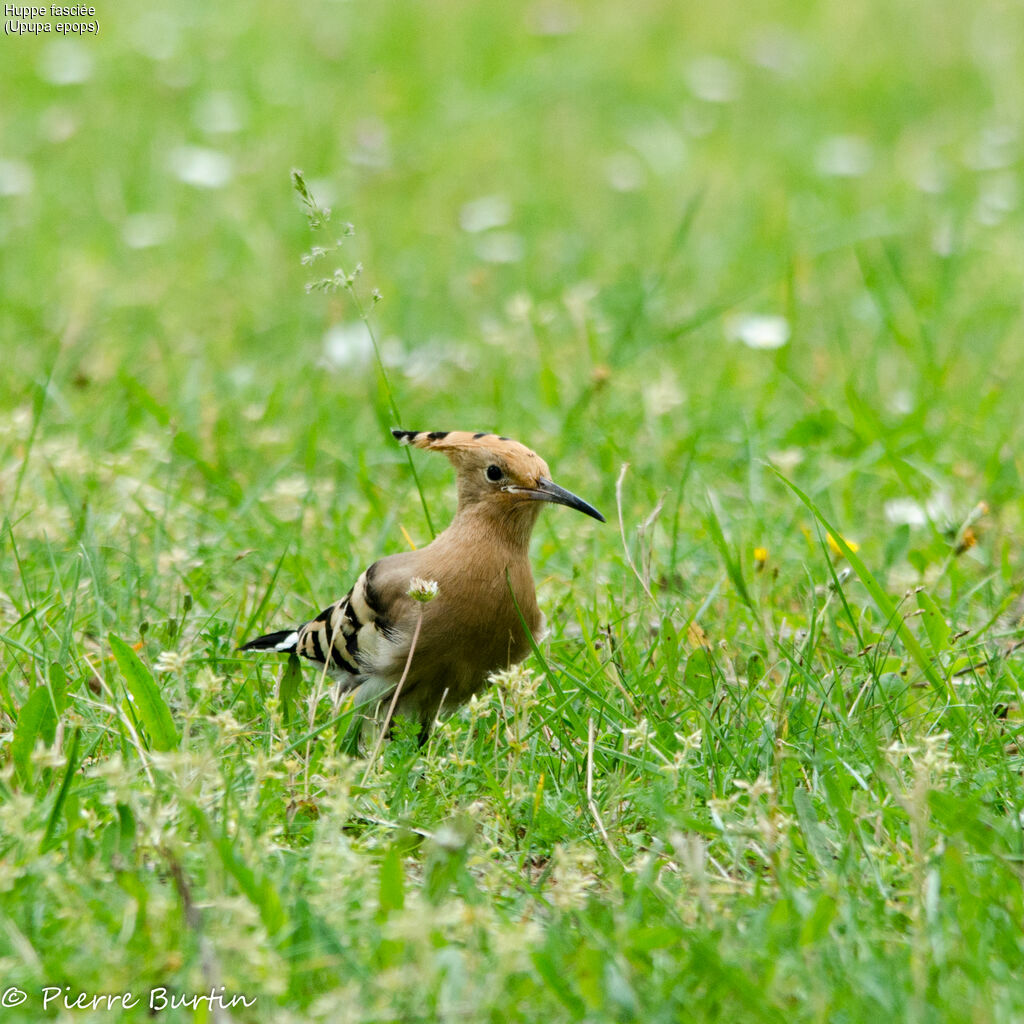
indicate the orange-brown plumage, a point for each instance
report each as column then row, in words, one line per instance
column 481, row 566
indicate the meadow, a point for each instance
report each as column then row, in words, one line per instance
column 749, row 277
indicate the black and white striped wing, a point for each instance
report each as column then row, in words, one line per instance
column 352, row 636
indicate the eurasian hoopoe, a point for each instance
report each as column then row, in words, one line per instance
column 481, row 567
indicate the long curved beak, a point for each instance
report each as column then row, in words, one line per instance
column 548, row 491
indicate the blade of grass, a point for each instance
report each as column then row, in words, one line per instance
column 258, row 611
column 37, row 719
column 732, row 564
column 153, row 711
column 62, row 795
column 318, row 217
column 878, row 595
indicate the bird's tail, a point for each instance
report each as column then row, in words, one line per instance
column 283, row 640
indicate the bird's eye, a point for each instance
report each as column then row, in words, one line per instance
column 494, row 473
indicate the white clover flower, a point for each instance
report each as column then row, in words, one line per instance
column 519, row 681
column 207, row 681
column 422, row 590
column 201, row 167
column 573, row 877
column 759, row 330
column 759, row 787
column 48, row 757
column 171, row 661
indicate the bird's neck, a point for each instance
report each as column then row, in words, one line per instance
column 509, row 526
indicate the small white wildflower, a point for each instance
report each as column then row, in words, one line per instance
column 519, row 682
column 228, row 726
column 675, row 766
column 313, row 255
column 759, row 787
column 770, row 827
column 422, row 590
column 573, row 876
column 66, row 62
column 450, row 838
column 293, row 487
column 786, row 459
column 144, row 230
column 519, row 308
column 501, row 247
column 578, row 299
column 17, row 424
column 220, row 113
column 16, row 178
column 844, row 156
column 937, row 758
column 207, row 681
column 268, row 436
column 484, row 214
column 713, row 79
column 48, row 757
column 998, row 196
column 625, row 172
column 171, row 661
column 201, row 167
column 661, row 143
column 347, row 345
column 691, row 742
column 662, row 395
column 759, row 330
column 896, row 749
column 481, row 704
column 997, row 146
column 638, row 736
column 905, row 511
column 286, row 498
column 513, row 945
column 775, row 49
column 16, row 816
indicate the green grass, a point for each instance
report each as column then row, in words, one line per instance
column 753, row 774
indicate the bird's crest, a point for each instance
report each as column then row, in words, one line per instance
column 442, row 440
column 459, row 445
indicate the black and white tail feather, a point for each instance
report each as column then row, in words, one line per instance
column 283, row 640
column 351, row 638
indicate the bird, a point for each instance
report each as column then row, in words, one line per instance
column 459, row 603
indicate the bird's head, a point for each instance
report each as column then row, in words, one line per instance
column 497, row 473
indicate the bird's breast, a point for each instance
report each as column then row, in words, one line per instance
column 475, row 624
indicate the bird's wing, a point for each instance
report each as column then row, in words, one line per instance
column 359, row 635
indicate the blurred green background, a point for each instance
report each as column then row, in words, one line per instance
column 571, row 212
column 852, row 168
